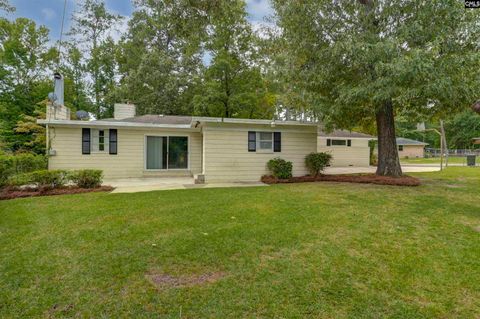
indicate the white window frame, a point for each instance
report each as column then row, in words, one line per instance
column 339, row 139
column 95, row 140
column 260, row 149
column 168, row 146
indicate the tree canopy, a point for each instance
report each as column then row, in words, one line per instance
column 360, row 64
column 364, row 61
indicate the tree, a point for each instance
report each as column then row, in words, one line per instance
column 233, row 84
column 365, row 61
column 74, row 72
column 160, row 56
column 462, row 129
column 91, row 25
column 26, row 63
column 5, row 5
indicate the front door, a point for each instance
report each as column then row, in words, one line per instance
column 167, row 152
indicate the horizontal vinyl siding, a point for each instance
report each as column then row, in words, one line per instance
column 356, row 155
column 227, row 157
column 129, row 162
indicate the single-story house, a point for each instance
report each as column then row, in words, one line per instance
column 347, row 148
column 207, row 148
column 410, row 148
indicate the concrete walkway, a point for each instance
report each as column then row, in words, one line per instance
column 372, row 169
column 147, row 184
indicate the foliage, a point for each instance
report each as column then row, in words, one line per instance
column 87, row 178
column 25, row 58
column 233, row 84
column 11, row 165
column 280, row 168
column 316, row 162
column 48, row 178
column 364, row 61
column 91, row 25
column 461, row 129
column 160, row 56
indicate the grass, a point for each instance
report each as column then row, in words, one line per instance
column 322, row 250
column 436, row 160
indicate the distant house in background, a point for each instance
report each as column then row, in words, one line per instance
column 410, row 148
column 347, row 148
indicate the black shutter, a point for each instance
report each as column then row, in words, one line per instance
column 112, row 142
column 252, row 141
column 277, row 141
column 85, row 141
column 349, row 142
column 329, row 142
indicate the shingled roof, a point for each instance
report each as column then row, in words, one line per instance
column 407, row 141
column 345, row 134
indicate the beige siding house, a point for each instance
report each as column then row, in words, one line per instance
column 209, row 149
column 347, row 148
column 408, row 148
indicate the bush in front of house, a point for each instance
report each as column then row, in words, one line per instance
column 280, row 168
column 316, row 162
column 87, row 178
column 48, row 179
column 11, row 165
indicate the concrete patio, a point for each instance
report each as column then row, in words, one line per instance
column 147, row 184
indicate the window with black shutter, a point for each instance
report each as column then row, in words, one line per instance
column 112, row 143
column 329, row 142
column 349, row 142
column 277, row 141
column 85, row 141
column 252, row 141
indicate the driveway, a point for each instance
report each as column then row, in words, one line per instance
column 372, row 169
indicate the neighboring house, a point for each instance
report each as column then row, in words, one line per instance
column 210, row 149
column 347, row 148
column 410, row 148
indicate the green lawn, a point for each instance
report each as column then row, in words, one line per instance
column 436, row 160
column 321, row 250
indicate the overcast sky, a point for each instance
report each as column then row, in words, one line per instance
column 49, row 12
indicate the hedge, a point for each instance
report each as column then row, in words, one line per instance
column 11, row 165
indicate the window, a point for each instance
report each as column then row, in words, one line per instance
column 166, row 152
column 265, row 141
column 338, row 142
column 99, row 140
column 400, row 148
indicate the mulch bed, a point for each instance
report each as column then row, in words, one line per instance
column 15, row 192
column 344, row 178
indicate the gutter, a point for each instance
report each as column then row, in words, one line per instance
column 111, row 124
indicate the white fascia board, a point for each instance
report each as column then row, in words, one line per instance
column 112, row 124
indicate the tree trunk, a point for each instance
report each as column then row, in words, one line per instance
column 388, row 161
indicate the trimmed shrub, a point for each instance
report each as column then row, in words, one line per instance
column 17, row 164
column 49, row 179
column 87, row 178
column 280, row 168
column 316, row 162
column 6, row 169
column 20, row 179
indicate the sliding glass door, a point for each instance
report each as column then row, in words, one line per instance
column 167, row 152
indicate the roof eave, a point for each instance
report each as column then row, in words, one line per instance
column 111, row 124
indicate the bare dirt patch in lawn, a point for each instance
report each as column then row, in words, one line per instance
column 358, row 178
column 15, row 192
column 166, row 281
